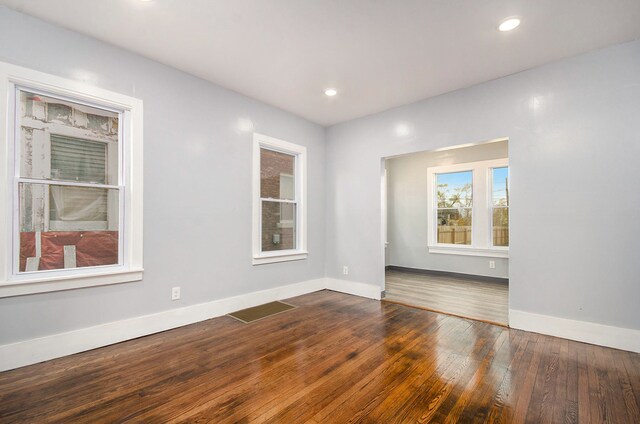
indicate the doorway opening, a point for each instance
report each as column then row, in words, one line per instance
column 446, row 230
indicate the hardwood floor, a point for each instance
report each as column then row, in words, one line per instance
column 482, row 300
column 334, row 359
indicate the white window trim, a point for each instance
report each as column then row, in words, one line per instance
column 259, row 257
column 481, row 243
column 130, row 268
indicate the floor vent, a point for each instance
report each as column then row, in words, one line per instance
column 263, row 311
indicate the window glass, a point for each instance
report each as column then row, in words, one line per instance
column 455, row 189
column 68, row 193
column 276, row 175
column 278, row 200
column 500, row 206
column 75, row 159
column 500, row 178
column 75, row 233
column 91, row 155
column 278, row 226
column 454, row 226
column 455, row 193
column 500, row 227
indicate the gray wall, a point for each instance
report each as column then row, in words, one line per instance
column 197, row 177
column 407, row 210
column 574, row 143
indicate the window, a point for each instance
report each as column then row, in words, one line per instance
column 279, row 212
column 468, row 208
column 455, row 204
column 75, row 187
column 500, row 206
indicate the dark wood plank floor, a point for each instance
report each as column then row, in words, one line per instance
column 466, row 297
column 335, row 359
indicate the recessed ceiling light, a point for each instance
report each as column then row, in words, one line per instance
column 509, row 23
column 330, row 92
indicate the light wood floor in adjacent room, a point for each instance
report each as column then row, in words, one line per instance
column 335, row 359
column 482, row 300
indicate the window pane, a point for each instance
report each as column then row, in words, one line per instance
column 501, row 226
column 278, row 226
column 90, row 156
column 67, row 227
column 454, row 226
column 79, row 204
column 78, row 160
column 500, row 189
column 276, row 175
column 455, row 189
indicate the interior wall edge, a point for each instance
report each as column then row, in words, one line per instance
column 581, row 331
column 370, row 291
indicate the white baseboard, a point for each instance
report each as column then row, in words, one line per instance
column 582, row 331
column 32, row 351
column 351, row 287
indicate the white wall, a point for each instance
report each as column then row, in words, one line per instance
column 197, row 180
column 574, row 143
column 407, row 210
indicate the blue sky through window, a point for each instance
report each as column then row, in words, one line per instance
column 500, row 180
column 455, row 189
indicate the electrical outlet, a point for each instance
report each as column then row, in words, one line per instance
column 345, row 270
column 492, row 264
column 175, row 293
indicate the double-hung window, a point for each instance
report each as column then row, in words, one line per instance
column 279, row 206
column 469, row 208
column 74, row 184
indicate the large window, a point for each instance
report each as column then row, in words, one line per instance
column 469, row 208
column 75, row 185
column 279, row 201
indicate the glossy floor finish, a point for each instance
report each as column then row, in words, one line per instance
column 477, row 299
column 334, row 359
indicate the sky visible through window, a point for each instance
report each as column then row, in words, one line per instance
column 500, row 178
column 454, row 189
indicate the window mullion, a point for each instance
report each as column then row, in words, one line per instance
column 66, row 183
column 271, row 199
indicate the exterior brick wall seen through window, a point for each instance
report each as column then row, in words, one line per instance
column 277, row 182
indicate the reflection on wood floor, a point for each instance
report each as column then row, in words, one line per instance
column 482, row 300
column 335, row 359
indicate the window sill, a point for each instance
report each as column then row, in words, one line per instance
column 469, row 251
column 39, row 284
column 268, row 258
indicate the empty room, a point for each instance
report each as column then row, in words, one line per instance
column 282, row 211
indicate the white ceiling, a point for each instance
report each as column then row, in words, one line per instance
column 377, row 53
